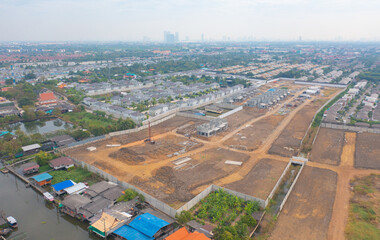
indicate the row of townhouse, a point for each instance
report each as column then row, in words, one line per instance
column 113, row 86
column 116, row 111
column 194, row 102
column 161, row 91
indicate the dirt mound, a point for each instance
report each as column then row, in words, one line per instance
column 126, row 154
column 164, row 174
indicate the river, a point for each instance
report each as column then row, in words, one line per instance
column 36, row 218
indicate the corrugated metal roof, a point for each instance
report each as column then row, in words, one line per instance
column 131, row 234
column 76, row 188
column 148, row 224
column 62, row 185
column 42, row 177
column 30, row 147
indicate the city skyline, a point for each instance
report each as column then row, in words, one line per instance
column 130, row 20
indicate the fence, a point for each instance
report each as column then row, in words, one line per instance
column 291, row 187
column 230, row 112
column 350, row 128
column 88, row 140
column 148, row 198
column 163, row 207
column 277, row 184
column 140, row 128
column 191, row 115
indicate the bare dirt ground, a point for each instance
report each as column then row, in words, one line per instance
column 176, row 185
column 288, row 143
column 367, row 153
column 163, row 148
column 253, row 136
column 307, row 213
column 190, row 128
column 260, row 181
column 237, row 120
column 328, row 146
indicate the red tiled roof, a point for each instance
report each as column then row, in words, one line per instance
column 47, row 96
column 61, row 161
column 183, row 234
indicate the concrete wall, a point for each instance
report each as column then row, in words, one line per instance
column 230, row 112
column 226, row 105
column 241, row 195
column 190, row 115
column 291, row 188
column 196, row 199
column 350, row 128
column 277, row 184
column 140, row 128
column 148, row 198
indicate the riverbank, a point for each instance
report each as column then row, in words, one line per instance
column 37, row 218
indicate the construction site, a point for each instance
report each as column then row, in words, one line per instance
column 247, row 152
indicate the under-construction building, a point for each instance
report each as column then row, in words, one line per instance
column 213, row 127
column 268, row 98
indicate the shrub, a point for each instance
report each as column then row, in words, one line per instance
column 183, row 217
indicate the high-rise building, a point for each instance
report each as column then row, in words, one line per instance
column 170, row 37
column 202, row 37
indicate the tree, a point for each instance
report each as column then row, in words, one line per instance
column 29, row 114
column 80, row 134
column 9, row 81
column 43, row 158
column 25, row 102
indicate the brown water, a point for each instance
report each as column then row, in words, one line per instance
column 36, row 218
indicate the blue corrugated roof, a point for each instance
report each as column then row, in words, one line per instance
column 62, row 185
column 131, row 234
column 148, row 224
column 42, row 177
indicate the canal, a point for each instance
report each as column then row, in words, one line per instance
column 36, row 218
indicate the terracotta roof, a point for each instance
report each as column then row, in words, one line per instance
column 47, row 96
column 61, row 161
column 183, row 234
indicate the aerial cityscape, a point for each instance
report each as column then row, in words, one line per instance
column 142, row 121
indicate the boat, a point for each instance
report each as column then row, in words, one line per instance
column 48, row 197
column 5, row 231
column 12, row 222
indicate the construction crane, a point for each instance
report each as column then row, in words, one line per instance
column 150, row 139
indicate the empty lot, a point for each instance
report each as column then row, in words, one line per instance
column 328, row 146
column 367, row 154
column 307, row 213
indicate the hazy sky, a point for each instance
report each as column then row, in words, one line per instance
column 131, row 20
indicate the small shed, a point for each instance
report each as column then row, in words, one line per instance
column 60, row 187
column 145, row 227
column 76, row 189
column 105, row 225
column 61, row 162
column 43, row 179
column 31, row 149
column 30, row 167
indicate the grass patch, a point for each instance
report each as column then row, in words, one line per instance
column 364, row 212
column 44, row 168
column 77, row 175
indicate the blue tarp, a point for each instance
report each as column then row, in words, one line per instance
column 43, row 177
column 148, row 224
column 62, row 185
column 131, row 234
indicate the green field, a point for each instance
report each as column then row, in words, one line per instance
column 77, row 175
column 364, row 215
